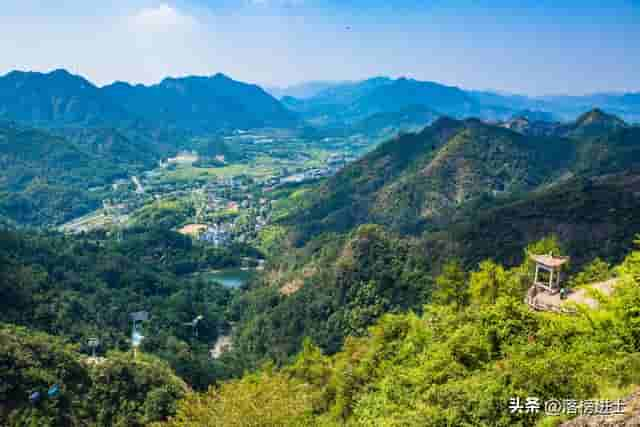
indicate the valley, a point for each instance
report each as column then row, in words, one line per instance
column 225, row 197
column 362, row 253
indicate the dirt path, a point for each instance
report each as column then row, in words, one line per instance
column 579, row 296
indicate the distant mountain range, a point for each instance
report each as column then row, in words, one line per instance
column 302, row 90
column 627, row 105
column 346, row 103
column 57, row 98
column 202, row 103
column 197, row 104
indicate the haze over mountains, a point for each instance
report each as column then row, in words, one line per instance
column 302, row 90
column 353, row 100
column 202, row 104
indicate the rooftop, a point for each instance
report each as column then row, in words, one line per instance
column 549, row 260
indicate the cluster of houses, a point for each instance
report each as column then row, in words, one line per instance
column 334, row 164
column 217, row 234
column 228, row 208
column 184, row 157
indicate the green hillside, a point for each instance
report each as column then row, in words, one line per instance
column 54, row 99
column 343, row 283
column 465, row 361
column 197, row 104
column 592, row 217
column 82, row 287
column 201, row 104
column 422, row 180
column 45, row 178
column 118, row 391
column 459, row 190
column 384, row 125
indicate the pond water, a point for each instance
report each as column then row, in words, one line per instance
column 232, row 277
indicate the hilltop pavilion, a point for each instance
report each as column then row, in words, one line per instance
column 548, row 265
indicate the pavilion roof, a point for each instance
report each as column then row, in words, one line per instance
column 549, row 260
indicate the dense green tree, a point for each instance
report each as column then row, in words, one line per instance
column 451, row 286
column 455, row 365
column 488, row 283
column 116, row 391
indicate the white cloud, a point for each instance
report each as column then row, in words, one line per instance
column 161, row 18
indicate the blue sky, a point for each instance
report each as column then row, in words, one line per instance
column 533, row 47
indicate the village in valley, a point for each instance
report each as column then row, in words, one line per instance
column 218, row 200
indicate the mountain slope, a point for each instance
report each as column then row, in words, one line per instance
column 593, row 123
column 119, row 391
column 465, row 361
column 591, row 216
column 45, row 177
column 413, row 118
column 479, row 160
column 423, row 177
column 426, row 179
column 345, row 200
column 198, row 104
column 405, row 92
column 54, row 99
column 113, row 144
column 353, row 102
column 349, row 92
column 202, row 103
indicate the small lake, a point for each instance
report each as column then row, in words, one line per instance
column 231, row 277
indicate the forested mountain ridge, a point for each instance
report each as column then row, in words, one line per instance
column 344, row 103
column 501, row 190
column 353, row 102
column 47, row 174
column 55, row 99
column 195, row 104
column 422, row 179
column 593, row 217
column 384, row 125
column 45, row 178
column 202, row 103
column 403, row 92
column 591, row 124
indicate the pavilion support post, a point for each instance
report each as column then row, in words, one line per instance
column 558, row 278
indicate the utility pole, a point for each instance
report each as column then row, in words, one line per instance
column 194, row 324
column 93, row 343
column 136, row 334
